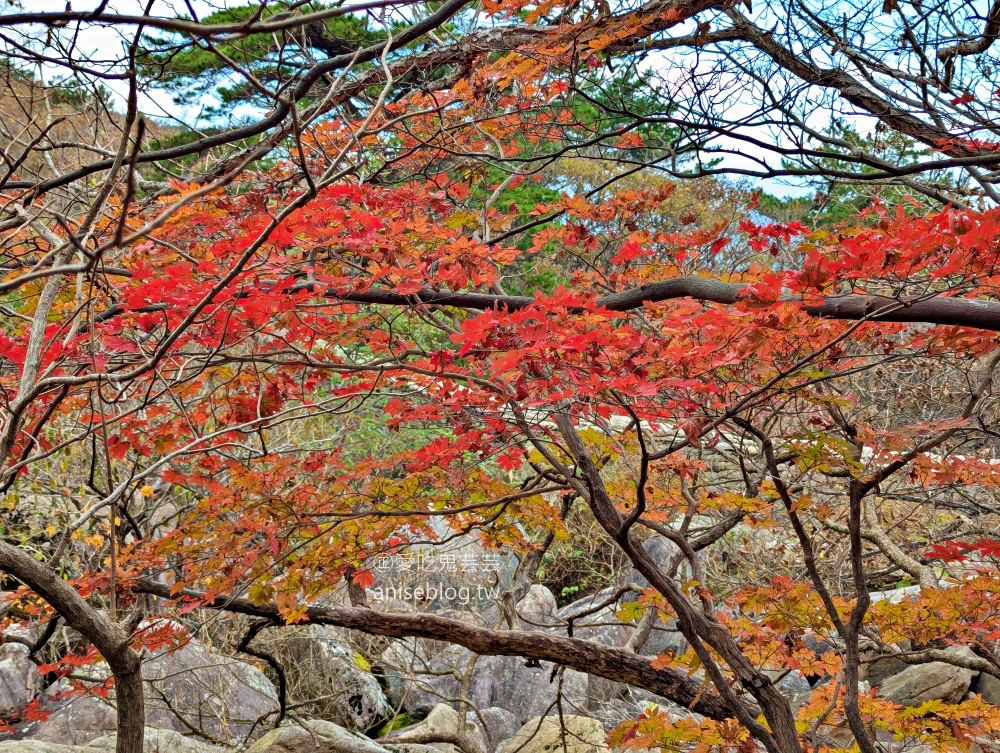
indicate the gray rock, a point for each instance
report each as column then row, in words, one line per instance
column 318, row 664
column 35, row 746
column 602, row 626
column 612, row 712
column 508, row 682
column 158, row 741
column 578, row 734
column 880, row 670
column 795, row 688
column 612, row 703
column 225, row 698
column 444, row 722
column 585, row 604
column 896, row 595
column 793, row 683
column 605, row 628
column 537, row 608
column 315, row 737
column 154, row 741
column 663, row 638
column 409, row 664
column 505, row 681
column 922, row 682
column 409, row 748
column 19, row 678
column 496, row 725
column 988, row 687
column 76, row 721
column 661, row 550
column 818, row 644
column 189, row 688
column 601, row 690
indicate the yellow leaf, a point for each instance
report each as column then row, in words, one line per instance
column 601, row 42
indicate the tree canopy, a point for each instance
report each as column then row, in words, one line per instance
column 501, row 272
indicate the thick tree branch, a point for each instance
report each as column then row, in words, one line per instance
column 610, row 663
column 281, row 111
column 976, row 46
column 849, row 88
column 657, row 16
column 962, row 312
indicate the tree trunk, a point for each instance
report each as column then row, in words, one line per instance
column 131, row 705
column 109, row 638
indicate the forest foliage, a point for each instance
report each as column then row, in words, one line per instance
column 506, row 271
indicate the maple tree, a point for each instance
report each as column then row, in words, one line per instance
column 374, row 248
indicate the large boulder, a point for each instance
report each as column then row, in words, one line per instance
column 611, row 713
column 76, row 721
column 538, row 608
column 314, row 737
column 425, row 673
column 36, row 746
column 446, row 730
column 794, row 686
column 190, row 689
column 880, row 670
column 496, row 725
column 662, row 551
column 601, row 626
column 318, row 664
column 988, row 687
column 550, row 734
column 934, row 680
column 19, row 678
column 423, row 676
column 158, row 741
column 613, row 703
column 663, row 638
column 526, row 689
column 878, row 667
column 194, row 687
column 154, row 741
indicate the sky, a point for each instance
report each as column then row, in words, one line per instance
column 107, row 45
column 103, row 46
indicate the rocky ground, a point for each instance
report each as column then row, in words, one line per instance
column 348, row 695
